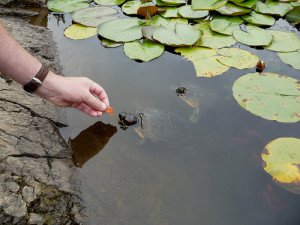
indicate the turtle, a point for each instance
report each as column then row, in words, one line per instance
column 194, row 97
column 159, row 126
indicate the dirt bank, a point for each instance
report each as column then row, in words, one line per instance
column 36, row 169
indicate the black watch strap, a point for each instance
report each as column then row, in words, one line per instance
column 34, row 84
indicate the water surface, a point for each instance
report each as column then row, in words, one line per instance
column 214, row 177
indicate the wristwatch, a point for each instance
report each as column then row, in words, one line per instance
column 37, row 80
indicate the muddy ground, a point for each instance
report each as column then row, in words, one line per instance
column 37, row 175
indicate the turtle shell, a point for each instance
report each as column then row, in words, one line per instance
column 165, row 127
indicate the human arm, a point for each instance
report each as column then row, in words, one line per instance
column 77, row 92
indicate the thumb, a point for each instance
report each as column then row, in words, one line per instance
column 94, row 102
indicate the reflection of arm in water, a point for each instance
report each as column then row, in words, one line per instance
column 76, row 92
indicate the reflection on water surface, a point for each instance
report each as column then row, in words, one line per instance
column 213, row 178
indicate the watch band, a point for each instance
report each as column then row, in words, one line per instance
column 36, row 81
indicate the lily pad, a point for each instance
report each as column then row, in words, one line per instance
column 207, row 4
column 131, row 7
column 174, row 2
column 284, row 41
column 293, row 16
column 291, row 58
column 121, row 30
column 65, row 6
column 181, row 35
column 272, row 7
column 171, row 12
column 231, row 9
column 246, row 3
column 187, row 12
column 259, row 19
column 110, row 44
column 253, row 36
column 109, row 2
column 212, row 39
column 204, row 60
column 78, row 32
column 225, row 25
column 238, row 58
column 281, row 159
column 270, row 96
column 145, row 51
column 92, row 17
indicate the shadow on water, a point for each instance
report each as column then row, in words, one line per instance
column 213, row 177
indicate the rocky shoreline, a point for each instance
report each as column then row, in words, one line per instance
column 37, row 175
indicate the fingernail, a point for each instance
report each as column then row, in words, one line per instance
column 103, row 107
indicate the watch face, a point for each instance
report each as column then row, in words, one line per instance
column 31, row 86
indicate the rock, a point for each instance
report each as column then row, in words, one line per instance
column 28, row 194
column 14, row 206
column 35, row 219
column 12, row 186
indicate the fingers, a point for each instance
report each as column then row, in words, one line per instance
column 88, row 110
column 97, row 90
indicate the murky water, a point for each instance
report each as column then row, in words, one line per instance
column 212, row 177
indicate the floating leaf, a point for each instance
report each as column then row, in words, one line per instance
column 246, row 3
column 204, row 60
column 78, row 32
column 110, row 44
column 174, row 2
column 171, row 12
column 254, row 36
column 109, row 2
column 131, row 7
column 233, row 10
column 187, row 12
column 238, row 58
column 272, row 7
column 92, row 17
column 65, row 6
column 225, row 25
column 212, row 39
column 293, row 16
column 207, row 4
column 161, row 3
column 259, row 19
column 181, row 35
column 284, row 41
column 291, row 58
column 158, row 20
column 281, row 159
column 270, row 96
column 145, row 51
column 121, row 30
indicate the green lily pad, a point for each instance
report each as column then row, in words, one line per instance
column 145, row 51
column 284, row 41
column 65, row 6
column 171, row 12
column 246, row 3
column 92, row 17
column 231, row 9
column 238, row 58
column 204, row 60
column 272, row 7
column 131, row 7
column 110, row 44
column 293, row 16
column 270, row 96
column 161, row 3
column 291, row 58
column 109, row 2
column 212, row 39
column 225, row 25
column 187, row 12
column 181, row 35
column 174, row 2
column 79, row 32
column 281, row 159
column 158, row 20
column 254, row 36
column 259, row 19
column 207, row 4
column 121, row 30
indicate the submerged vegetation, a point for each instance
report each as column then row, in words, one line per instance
column 204, row 32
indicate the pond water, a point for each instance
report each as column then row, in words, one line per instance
column 212, row 176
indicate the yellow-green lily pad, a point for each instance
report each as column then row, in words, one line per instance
column 284, row 41
column 281, row 159
column 291, row 58
column 79, row 32
column 269, row 95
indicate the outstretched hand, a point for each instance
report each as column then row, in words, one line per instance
column 76, row 92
